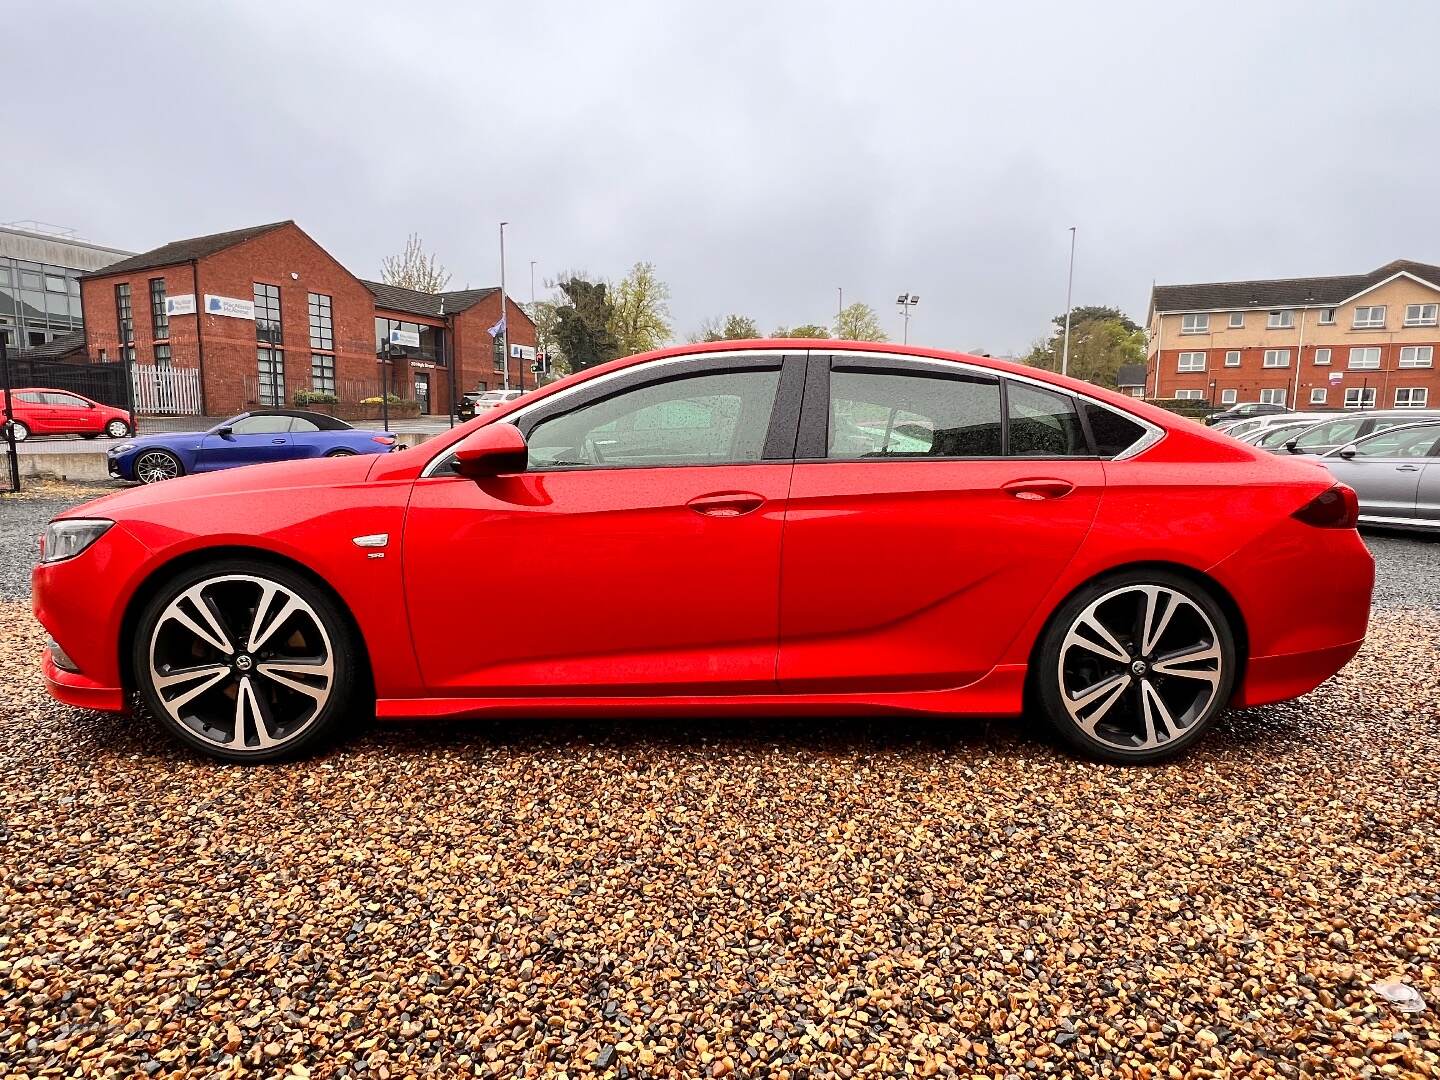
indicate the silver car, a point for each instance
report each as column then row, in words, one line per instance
column 1334, row 431
column 1396, row 474
column 1275, row 437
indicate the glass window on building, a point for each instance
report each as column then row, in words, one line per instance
column 322, row 324
column 124, row 322
column 159, row 321
column 271, row 365
column 322, row 373
column 267, row 313
column 432, row 340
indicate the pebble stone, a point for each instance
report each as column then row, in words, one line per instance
column 730, row 898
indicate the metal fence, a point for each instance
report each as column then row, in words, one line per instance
column 104, row 383
column 169, row 391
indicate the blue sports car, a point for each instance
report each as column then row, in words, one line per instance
column 247, row 439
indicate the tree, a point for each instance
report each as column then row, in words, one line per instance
column 730, row 328
column 639, row 311
column 1100, row 343
column 804, row 330
column 858, row 322
column 545, row 315
column 413, row 269
column 582, row 323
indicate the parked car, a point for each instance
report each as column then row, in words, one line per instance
column 1395, row 474
column 1240, row 428
column 1274, row 438
column 41, row 410
column 248, row 438
column 1340, row 428
column 749, row 535
column 1244, row 411
column 481, row 400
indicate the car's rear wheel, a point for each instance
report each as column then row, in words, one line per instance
column 245, row 661
column 20, row 431
column 1133, row 668
column 117, row 429
column 153, row 466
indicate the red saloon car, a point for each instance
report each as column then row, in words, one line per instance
column 804, row 527
column 42, row 410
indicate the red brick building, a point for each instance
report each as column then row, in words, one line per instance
column 262, row 314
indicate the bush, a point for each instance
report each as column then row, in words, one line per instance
column 305, row 396
column 393, row 399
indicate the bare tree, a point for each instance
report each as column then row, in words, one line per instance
column 414, row 269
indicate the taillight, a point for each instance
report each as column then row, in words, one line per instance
column 1337, row 508
column 383, row 440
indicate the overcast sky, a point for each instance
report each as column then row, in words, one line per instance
column 761, row 155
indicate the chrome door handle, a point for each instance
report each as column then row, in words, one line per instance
column 1035, row 490
column 1407, row 468
column 278, row 442
column 727, row 504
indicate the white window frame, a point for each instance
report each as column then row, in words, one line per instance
column 1362, row 362
column 1280, row 320
column 1423, row 314
column 1186, row 362
column 1327, row 316
column 1189, row 395
column 1412, row 401
column 1229, row 397
column 1421, row 356
column 1318, row 395
column 1237, row 320
column 1273, row 396
column 1276, row 358
column 1236, row 354
column 1322, row 357
column 1195, row 323
column 1369, row 318
column 1363, row 397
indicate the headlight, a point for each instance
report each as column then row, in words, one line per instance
column 65, row 539
column 123, row 448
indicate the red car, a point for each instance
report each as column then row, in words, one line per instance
column 41, row 410
column 801, row 527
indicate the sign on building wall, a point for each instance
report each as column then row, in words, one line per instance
column 180, row 305
column 409, row 338
column 230, row 307
column 523, row 352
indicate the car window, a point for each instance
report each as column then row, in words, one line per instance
column 1332, row 433
column 31, row 399
column 709, row 419
column 299, row 423
column 261, row 425
column 1279, row 435
column 1044, row 423
column 1112, row 432
column 68, row 401
column 1414, row 442
column 881, row 414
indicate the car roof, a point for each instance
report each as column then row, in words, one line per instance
column 324, row 421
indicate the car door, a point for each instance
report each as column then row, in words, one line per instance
column 68, row 414
column 1386, row 469
column 250, row 440
column 1427, row 494
column 923, row 526
column 32, row 410
column 639, row 552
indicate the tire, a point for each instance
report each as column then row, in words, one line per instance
column 117, row 429
column 342, row 452
column 287, row 696
column 153, row 466
column 20, row 431
column 1178, row 669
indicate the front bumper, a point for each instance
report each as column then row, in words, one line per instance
column 73, row 688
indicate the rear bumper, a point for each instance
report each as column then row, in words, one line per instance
column 81, row 691
column 1279, row 678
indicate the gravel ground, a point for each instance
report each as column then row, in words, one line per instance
column 756, row 898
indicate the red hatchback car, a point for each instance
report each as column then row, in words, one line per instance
column 41, row 410
column 805, row 527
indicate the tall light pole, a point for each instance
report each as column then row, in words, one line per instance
column 504, row 323
column 906, row 301
column 1069, row 283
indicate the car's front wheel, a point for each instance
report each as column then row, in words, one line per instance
column 153, row 466
column 245, row 661
column 1133, row 668
column 342, row 452
column 117, row 429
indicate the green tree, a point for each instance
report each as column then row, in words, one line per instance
column 413, row 269
column 858, row 322
column 804, row 330
column 730, row 328
column 582, row 323
column 545, row 315
column 1099, row 344
column 640, row 311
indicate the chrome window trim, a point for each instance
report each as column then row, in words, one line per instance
column 1153, row 433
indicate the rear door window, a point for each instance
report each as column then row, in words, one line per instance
column 1044, row 423
column 890, row 415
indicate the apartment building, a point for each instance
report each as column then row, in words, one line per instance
column 1351, row 341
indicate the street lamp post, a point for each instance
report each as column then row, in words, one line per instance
column 504, row 323
column 906, row 301
column 1069, row 283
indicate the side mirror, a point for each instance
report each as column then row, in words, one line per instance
column 1292, row 446
column 225, row 432
column 494, row 450
column 1347, row 451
